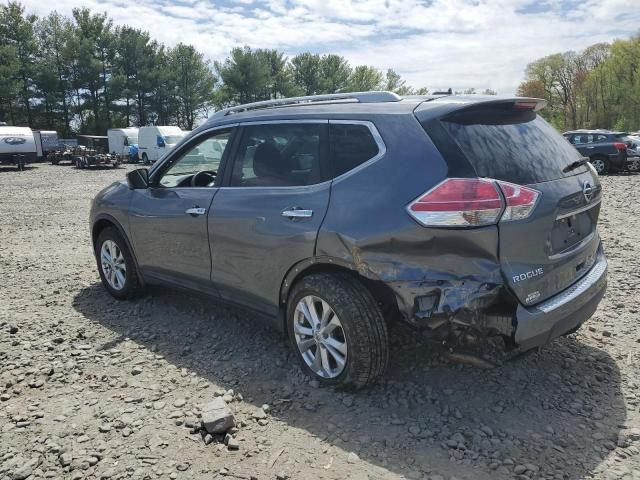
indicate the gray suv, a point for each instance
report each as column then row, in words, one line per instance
column 331, row 216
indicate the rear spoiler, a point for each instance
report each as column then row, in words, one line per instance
column 440, row 106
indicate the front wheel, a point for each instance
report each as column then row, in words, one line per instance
column 337, row 330
column 116, row 265
column 145, row 159
column 600, row 164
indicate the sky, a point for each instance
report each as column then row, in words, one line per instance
column 437, row 43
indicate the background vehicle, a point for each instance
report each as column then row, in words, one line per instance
column 124, row 142
column 465, row 216
column 155, row 141
column 92, row 151
column 606, row 150
column 633, row 152
column 17, row 146
column 46, row 142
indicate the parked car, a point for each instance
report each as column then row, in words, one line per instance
column 17, row 146
column 92, row 150
column 124, row 142
column 606, row 150
column 330, row 216
column 633, row 152
column 155, row 141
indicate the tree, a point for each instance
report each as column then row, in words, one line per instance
column 245, row 77
column 9, row 85
column 17, row 38
column 135, row 61
column 95, row 56
column 395, row 83
column 365, row 78
column 194, row 83
column 334, row 73
column 306, row 72
column 54, row 33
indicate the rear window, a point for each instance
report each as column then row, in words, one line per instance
column 518, row 147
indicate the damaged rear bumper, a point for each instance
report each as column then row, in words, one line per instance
column 538, row 325
column 482, row 305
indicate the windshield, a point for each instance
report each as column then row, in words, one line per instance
column 205, row 156
column 172, row 139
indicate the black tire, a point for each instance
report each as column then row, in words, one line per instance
column 132, row 286
column 364, row 328
column 601, row 164
column 145, row 159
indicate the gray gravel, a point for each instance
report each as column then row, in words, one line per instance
column 95, row 388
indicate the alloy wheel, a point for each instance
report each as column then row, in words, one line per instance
column 320, row 337
column 598, row 165
column 113, row 264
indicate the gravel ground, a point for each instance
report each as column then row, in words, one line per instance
column 95, row 388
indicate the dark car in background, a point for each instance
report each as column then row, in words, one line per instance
column 330, row 216
column 607, row 151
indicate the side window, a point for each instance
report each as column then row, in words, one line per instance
column 350, row 145
column 202, row 159
column 279, row 155
column 601, row 138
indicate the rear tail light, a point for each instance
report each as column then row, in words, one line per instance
column 619, row 146
column 473, row 202
column 520, row 201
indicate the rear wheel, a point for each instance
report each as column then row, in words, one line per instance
column 115, row 264
column 145, row 159
column 634, row 165
column 601, row 165
column 337, row 330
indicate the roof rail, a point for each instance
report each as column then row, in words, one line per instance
column 359, row 97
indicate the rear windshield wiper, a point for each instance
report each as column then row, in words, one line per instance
column 576, row 164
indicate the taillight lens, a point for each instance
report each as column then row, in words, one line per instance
column 520, row 201
column 619, row 146
column 472, row 202
column 461, row 202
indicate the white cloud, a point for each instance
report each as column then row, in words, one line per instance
column 442, row 43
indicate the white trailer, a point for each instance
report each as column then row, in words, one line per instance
column 46, row 141
column 155, row 141
column 17, row 146
column 123, row 141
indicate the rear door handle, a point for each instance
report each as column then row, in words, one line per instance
column 297, row 213
column 196, row 211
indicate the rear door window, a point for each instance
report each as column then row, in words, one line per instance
column 518, row 147
column 350, row 145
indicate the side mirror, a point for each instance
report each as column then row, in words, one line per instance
column 160, row 141
column 138, row 179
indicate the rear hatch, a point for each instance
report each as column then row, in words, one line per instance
column 557, row 243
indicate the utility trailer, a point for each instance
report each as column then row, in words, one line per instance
column 64, row 153
column 93, row 151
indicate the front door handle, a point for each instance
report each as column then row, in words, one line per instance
column 196, row 211
column 297, row 213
